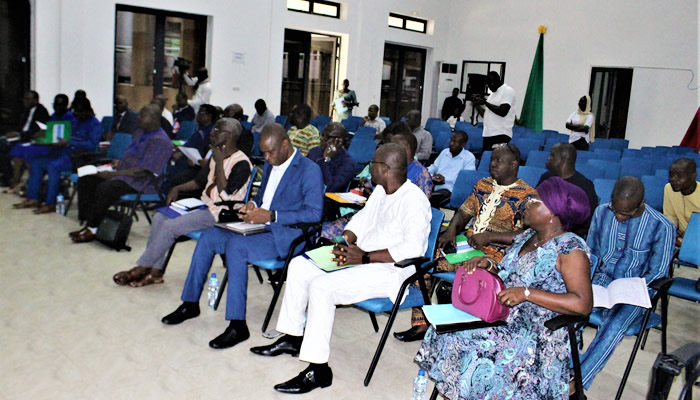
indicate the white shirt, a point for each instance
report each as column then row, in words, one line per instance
column 259, row 121
column 398, row 222
column 203, row 93
column 167, row 115
column 574, row 119
column 274, row 181
column 377, row 124
column 495, row 125
column 449, row 166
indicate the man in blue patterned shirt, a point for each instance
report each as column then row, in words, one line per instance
column 630, row 240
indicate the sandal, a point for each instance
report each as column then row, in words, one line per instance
column 149, row 279
column 123, row 278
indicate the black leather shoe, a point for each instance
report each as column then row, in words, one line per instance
column 233, row 335
column 183, row 313
column 306, row 381
column 283, row 345
column 410, row 335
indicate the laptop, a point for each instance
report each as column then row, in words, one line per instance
column 55, row 131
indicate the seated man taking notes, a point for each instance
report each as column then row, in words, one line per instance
column 394, row 225
column 291, row 192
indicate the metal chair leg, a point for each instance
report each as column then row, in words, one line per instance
column 637, row 343
column 258, row 274
column 271, row 308
column 435, row 394
column 373, row 318
column 222, row 285
column 578, row 381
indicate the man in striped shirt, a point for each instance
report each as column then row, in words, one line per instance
column 630, row 240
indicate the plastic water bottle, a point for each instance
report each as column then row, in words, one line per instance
column 213, row 289
column 60, row 204
column 420, row 386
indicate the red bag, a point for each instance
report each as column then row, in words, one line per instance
column 475, row 294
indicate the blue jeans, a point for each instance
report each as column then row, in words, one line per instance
column 615, row 322
column 240, row 250
column 53, row 165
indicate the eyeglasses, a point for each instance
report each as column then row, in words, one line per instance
column 627, row 214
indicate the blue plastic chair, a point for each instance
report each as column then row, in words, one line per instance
column 608, row 154
column 632, row 153
column 442, row 141
column 611, row 169
column 282, row 120
column 531, row 175
column 618, row 144
column 439, row 125
column 537, row 159
column 415, row 298
column 350, row 124
column 475, row 144
column 106, row 123
column 429, row 123
column 654, row 192
column 591, row 172
column 464, row 186
column 247, row 125
column 601, row 144
column 662, row 173
column 636, row 167
column 362, row 151
column 583, row 156
column 485, row 161
column 526, row 146
column 365, row 133
column 187, row 129
column 553, row 139
column 681, row 150
column 604, row 189
column 387, row 121
column 320, row 121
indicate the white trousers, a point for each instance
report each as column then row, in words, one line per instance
column 322, row 291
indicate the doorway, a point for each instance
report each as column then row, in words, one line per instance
column 149, row 44
column 309, row 71
column 610, row 99
column 402, row 80
column 14, row 61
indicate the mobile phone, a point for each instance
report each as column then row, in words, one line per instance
column 340, row 239
column 449, row 248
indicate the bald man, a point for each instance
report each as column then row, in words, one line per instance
column 393, row 226
column 291, row 192
column 148, row 153
column 630, row 240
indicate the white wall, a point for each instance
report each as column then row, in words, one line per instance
column 624, row 33
column 76, row 49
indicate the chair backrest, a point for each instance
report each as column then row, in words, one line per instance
column 608, row 154
column 611, row 169
column 435, row 224
column 429, row 123
column 681, row 150
column 362, row 151
column 531, row 175
column 320, row 121
column 636, row 167
column 245, row 118
column 117, row 147
column 485, row 161
column 106, row 123
column 690, row 248
column 439, row 125
column 583, row 156
column 464, row 185
column 554, row 138
column 618, row 144
column 526, row 146
column 591, row 172
column 365, row 133
column 186, row 131
column 632, row 153
column 253, row 172
column 442, row 141
column 601, row 144
column 662, row 173
column 350, row 124
column 604, row 189
column 387, row 121
column 475, row 144
column 654, row 191
column 247, row 125
column 282, row 120
column 537, row 159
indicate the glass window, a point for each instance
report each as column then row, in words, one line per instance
column 298, row 5
column 415, row 26
column 317, row 7
column 395, row 22
column 407, row 23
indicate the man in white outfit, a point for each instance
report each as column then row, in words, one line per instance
column 394, row 225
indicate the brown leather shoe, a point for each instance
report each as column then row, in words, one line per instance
column 45, row 209
column 78, row 232
column 84, row 237
column 27, row 204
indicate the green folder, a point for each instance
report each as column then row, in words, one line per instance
column 462, row 257
column 322, row 256
column 55, row 131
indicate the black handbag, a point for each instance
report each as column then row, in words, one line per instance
column 229, row 214
column 114, row 229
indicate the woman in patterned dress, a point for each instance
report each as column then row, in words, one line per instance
column 546, row 272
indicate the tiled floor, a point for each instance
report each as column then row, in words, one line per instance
column 68, row 332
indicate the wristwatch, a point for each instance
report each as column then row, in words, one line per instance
column 365, row 258
column 527, row 293
column 273, row 216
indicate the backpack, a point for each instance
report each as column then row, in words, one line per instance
column 114, row 228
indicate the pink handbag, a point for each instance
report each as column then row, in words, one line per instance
column 475, row 294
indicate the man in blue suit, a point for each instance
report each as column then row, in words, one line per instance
column 291, row 192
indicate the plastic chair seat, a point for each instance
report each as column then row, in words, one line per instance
column 147, row 197
column 73, row 178
column 445, row 276
column 269, row 264
column 194, row 235
column 684, row 288
column 383, row 304
column 654, row 321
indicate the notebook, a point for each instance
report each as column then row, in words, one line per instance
column 242, row 228
column 321, row 257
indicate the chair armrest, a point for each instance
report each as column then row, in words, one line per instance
column 561, row 321
column 305, row 225
column 228, row 203
column 661, row 284
column 411, row 261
